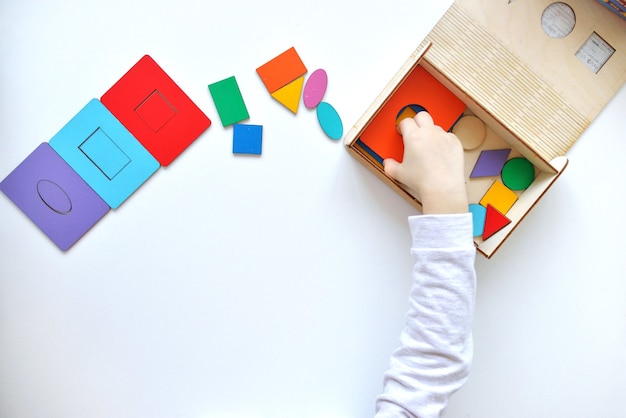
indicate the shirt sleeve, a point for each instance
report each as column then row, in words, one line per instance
column 435, row 352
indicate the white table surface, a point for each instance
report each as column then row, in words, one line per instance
column 232, row 286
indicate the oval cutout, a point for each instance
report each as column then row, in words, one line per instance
column 314, row 88
column 54, row 197
column 329, row 120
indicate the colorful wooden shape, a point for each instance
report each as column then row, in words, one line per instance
column 281, row 70
column 54, row 197
column 329, row 121
column 409, row 111
column 102, row 151
column 499, row 196
column 490, row 163
column 229, row 101
column 471, row 131
column 155, row 110
column 494, row 222
column 478, row 218
column 247, row 139
column 419, row 87
column 518, row 173
column 289, row 95
column 315, row 88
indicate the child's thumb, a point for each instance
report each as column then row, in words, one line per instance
column 392, row 168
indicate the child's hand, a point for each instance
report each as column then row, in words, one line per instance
column 432, row 165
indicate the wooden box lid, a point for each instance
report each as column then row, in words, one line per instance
column 535, row 85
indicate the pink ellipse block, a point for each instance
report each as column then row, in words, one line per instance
column 314, row 88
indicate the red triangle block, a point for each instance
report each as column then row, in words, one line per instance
column 494, row 221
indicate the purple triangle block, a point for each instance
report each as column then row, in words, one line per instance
column 490, row 163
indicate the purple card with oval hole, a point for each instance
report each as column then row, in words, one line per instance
column 54, row 197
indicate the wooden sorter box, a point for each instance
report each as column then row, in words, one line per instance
column 536, row 73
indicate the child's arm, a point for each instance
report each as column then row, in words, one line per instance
column 435, row 354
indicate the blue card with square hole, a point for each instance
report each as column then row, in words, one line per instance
column 104, row 153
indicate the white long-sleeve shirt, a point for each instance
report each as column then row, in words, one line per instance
column 435, row 354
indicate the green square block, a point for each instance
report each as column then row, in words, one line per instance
column 228, row 101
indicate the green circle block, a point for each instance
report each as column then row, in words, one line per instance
column 518, row 173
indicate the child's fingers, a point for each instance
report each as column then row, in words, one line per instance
column 423, row 119
column 411, row 125
column 405, row 126
column 392, row 168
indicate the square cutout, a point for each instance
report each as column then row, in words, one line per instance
column 155, row 111
column 595, row 52
column 112, row 161
column 104, row 153
column 54, row 197
column 144, row 99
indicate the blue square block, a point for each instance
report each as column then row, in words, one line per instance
column 247, row 139
column 102, row 151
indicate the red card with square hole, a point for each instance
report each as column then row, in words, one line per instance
column 155, row 110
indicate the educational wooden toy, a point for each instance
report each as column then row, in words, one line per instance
column 102, row 151
column 228, row 101
column 156, row 110
column 97, row 150
column 471, row 131
column 535, row 73
column 94, row 163
column 494, row 221
column 479, row 213
column 518, row 173
column 247, row 139
column 499, row 196
column 281, row 70
column 283, row 77
column 54, row 197
column 315, row 88
column 490, row 162
column 329, row 121
column 289, row 94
